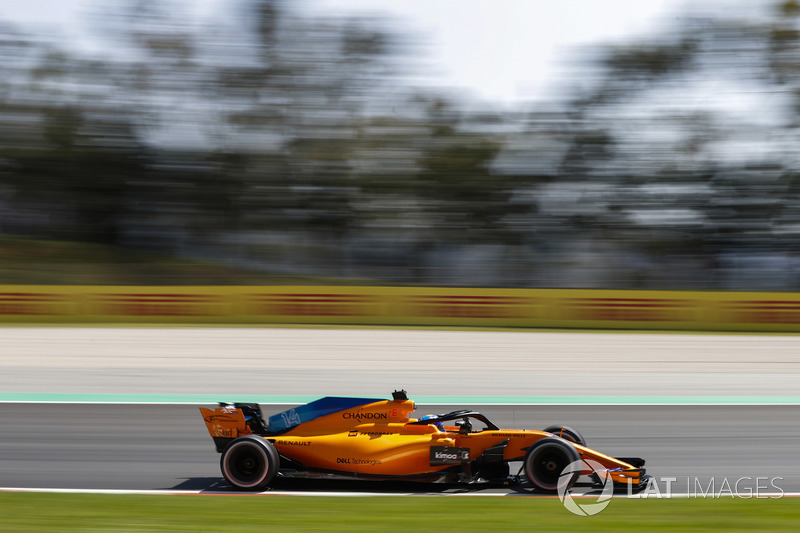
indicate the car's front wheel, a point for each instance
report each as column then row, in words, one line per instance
column 545, row 464
column 250, row 463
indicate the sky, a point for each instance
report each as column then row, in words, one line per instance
column 502, row 51
column 509, row 50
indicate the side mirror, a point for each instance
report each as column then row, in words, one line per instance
column 464, row 426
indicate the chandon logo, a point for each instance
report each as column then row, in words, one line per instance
column 360, row 415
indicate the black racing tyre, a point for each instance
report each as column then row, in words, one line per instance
column 566, row 433
column 546, row 460
column 249, row 463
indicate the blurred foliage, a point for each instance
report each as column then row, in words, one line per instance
column 271, row 141
column 44, row 262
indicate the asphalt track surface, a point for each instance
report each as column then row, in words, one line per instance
column 166, row 447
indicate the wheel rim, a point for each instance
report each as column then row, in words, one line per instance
column 246, row 465
column 546, row 467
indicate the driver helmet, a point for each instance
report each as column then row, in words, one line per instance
column 439, row 425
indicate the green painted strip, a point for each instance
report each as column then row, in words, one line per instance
column 422, row 400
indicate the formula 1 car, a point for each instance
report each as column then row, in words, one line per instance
column 375, row 439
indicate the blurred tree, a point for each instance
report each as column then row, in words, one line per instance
column 691, row 131
column 67, row 159
column 275, row 138
column 467, row 202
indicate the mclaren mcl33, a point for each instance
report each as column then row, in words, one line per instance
column 366, row 438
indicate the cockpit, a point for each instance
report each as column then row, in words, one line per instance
column 465, row 421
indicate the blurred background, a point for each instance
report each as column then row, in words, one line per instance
column 321, row 142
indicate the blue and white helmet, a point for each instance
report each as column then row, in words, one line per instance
column 439, row 425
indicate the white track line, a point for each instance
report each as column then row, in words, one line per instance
column 772, row 495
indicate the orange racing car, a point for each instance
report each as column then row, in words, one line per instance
column 363, row 438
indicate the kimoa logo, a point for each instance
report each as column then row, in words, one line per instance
column 586, row 509
column 443, row 455
column 361, row 415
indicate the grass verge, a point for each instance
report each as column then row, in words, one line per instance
column 214, row 513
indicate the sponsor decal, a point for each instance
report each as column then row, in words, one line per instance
column 229, row 433
column 293, row 443
column 357, row 461
column 355, row 432
column 448, row 455
column 213, row 419
column 361, row 416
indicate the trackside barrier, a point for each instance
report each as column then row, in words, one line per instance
column 412, row 306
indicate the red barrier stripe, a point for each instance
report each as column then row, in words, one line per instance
column 29, row 297
column 776, row 305
column 310, row 295
column 159, row 298
column 155, row 295
column 624, row 306
column 457, row 303
column 631, row 300
column 312, row 300
column 456, row 298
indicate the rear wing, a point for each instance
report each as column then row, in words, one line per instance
column 229, row 421
column 232, row 420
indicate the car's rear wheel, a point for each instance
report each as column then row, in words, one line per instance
column 249, row 463
column 545, row 462
column 566, row 433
